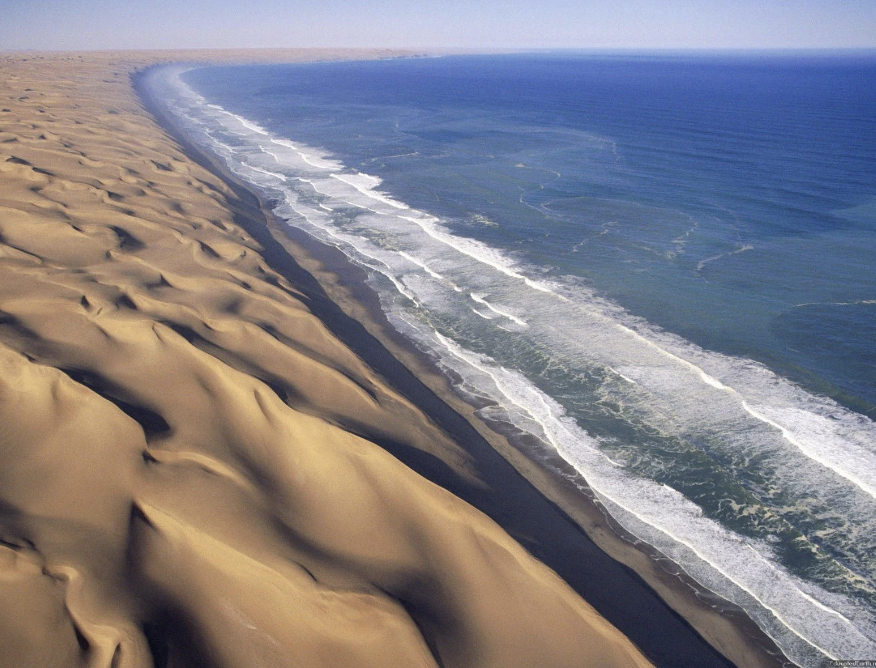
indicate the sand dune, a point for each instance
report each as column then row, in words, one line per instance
column 189, row 468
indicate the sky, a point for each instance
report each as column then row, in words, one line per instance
column 585, row 24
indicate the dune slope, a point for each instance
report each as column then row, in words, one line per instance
column 190, row 472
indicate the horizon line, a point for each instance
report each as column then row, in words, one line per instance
column 460, row 49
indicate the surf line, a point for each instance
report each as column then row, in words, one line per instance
column 428, row 228
column 258, row 129
column 427, row 224
column 371, row 193
column 459, row 353
column 789, row 436
column 786, row 433
column 704, row 376
column 340, row 242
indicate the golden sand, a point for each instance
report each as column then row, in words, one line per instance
column 189, row 473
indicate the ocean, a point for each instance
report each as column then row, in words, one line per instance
column 660, row 266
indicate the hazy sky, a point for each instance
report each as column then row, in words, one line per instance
column 103, row 24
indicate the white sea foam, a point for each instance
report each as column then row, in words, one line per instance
column 670, row 521
column 312, row 158
column 495, row 309
column 626, row 378
column 274, row 175
column 479, row 251
column 367, row 185
column 805, row 445
column 425, row 267
column 815, row 437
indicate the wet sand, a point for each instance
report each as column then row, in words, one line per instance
column 205, row 461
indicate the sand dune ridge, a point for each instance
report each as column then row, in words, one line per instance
column 189, row 468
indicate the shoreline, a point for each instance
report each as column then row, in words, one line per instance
column 350, row 309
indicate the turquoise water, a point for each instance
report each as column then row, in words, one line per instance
column 660, row 266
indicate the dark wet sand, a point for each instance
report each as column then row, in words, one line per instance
column 538, row 515
column 205, row 461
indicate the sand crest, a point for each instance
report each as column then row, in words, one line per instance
column 189, row 468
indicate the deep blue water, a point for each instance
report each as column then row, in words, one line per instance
column 696, row 158
column 663, row 266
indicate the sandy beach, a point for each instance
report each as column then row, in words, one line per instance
column 214, row 453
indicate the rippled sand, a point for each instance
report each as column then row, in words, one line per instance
column 189, row 468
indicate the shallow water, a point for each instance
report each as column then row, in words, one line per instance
column 662, row 267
